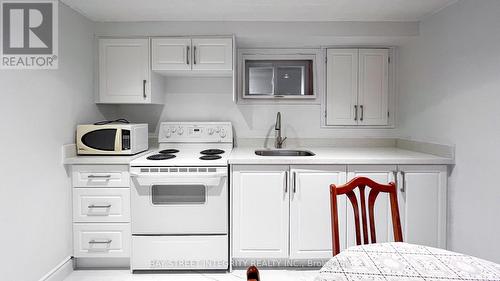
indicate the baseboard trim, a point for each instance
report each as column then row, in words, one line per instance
column 60, row 271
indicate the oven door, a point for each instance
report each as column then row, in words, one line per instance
column 187, row 203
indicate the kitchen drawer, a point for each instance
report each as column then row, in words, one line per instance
column 180, row 252
column 101, row 176
column 111, row 240
column 101, row 205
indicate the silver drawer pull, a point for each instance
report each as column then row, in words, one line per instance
column 99, row 206
column 99, row 176
column 100, row 242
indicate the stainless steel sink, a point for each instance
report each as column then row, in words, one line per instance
column 283, row 152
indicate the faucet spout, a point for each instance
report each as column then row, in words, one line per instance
column 278, row 143
column 277, row 126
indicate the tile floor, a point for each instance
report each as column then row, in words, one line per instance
column 236, row 275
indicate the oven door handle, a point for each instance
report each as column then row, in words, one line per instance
column 208, row 180
column 182, row 176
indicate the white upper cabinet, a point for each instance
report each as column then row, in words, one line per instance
column 357, row 87
column 342, row 86
column 193, row 56
column 124, row 71
column 212, row 53
column 171, row 53
column 373, row 96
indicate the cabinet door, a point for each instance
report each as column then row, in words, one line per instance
column 373, row 100
column 383, row 220
column 260, row 211
column 310, row 219
column 171, row 54
column 424, row 200
column 213, row 54
column 124, row 75
column 342, row 87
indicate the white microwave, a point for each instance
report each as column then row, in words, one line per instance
column 111, row 139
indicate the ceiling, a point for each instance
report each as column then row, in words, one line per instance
column 257, row 10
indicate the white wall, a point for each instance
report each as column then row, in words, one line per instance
column 39, row 110
column 450, row 93
column 199, row 99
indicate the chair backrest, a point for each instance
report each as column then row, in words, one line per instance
column 253, row 273
column 375, row 188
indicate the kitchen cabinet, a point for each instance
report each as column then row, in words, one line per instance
column 424, row 192
column 357, row 87
column 97, row 240
column 101, row 214
column 192, row 56
column 283, row 211
column 124, row 74
column 310, row 222
column 212, row 54
column 382, row 210
column 261, row 210
column 171, row 54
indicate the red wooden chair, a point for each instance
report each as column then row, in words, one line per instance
column 253, row 274
column 348, row 189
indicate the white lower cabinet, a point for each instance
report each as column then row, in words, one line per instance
column 101, row 205
column 101, row 240
column 260, row 211
column 101, row 215
column 310, row 223
column 382, row 210
column 424, row 190
column 281, row 211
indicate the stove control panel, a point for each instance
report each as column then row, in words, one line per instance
column 196, row 132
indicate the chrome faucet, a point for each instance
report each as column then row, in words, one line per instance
column 278, row 143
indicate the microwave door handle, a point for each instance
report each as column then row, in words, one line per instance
column 118, row 140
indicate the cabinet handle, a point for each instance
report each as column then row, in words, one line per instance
column 187, row 54
column 294, row 182
column 403, row 182
column 355, row 113
column 194, row 54
column 99, row 206
column 99, row 176
column 144, row 88
column 395, row 175
column 362, row 113
column 100, row 242
column 286, row 182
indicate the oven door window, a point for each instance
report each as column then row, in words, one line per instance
column 176, row 194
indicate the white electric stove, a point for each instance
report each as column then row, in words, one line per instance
column 179, row 199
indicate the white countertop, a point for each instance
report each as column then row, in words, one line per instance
column 323, row 155
column 102, row 159
column 341, row 155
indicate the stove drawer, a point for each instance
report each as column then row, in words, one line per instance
column 101, row 205
column 180, row 252
column 101, row 240
column 100, row 176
